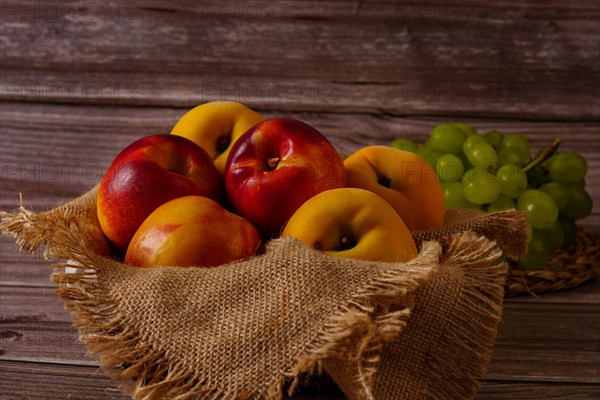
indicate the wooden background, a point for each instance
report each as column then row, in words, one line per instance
column 82, row 79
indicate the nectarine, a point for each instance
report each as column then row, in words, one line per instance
column 352, row 223
column 192, row 231
column 405, row 180
column 215, row 126
column 275, row 167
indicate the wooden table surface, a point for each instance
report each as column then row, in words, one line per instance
column 80, row 80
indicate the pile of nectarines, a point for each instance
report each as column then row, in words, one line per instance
column 226, row 180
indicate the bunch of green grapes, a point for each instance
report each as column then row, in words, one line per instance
column 496, row 171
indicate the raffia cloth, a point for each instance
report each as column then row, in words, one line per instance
column 249, row 329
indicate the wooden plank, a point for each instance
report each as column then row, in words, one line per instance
column 22, row 305
column 547, row 342
column 494, row 390
column 535, row 61
column 57, row 380
column 42, row 142
column 588, row 293
column 566, row 97
column 37, row 381
column 27, row 381
column 47, row 381
column 22, row 268
column 544, row 342
column 41, row 342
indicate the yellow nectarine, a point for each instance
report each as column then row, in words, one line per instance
column 352, row 223
column 405, row 180
column 192, row 231
column 215, row 126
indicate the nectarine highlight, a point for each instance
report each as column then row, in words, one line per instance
column 192, row 231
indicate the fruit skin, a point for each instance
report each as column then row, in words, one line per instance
column 405, row 180
column 567, row 167
column 275, row 167
column 371, row 227
column 215, row 126
column 541, row 208
column 192, row 231
column 447, row 138
column 147, row 173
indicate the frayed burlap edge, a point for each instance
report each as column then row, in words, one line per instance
column 451, row 364
column 459, row 360
column 31, row 230
column 507, row 228
column 356, row 333
column 374, row 317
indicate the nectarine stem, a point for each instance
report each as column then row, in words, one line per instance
column 385, row 181
column 223, row 143
column 347, row 243
column 272, row 162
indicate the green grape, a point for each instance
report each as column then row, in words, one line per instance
column 579, row 184
column 558, row 192
column 449, row 168
column 567, row 167
column 538, row 252
column 482, row 154
column 519, row 141
column 569, row 229
column 513, row 180
column 468, row 129
column 430, row 155
column 554, row 236
column 480, row 186
column 501, row 203
column 512, row 155
column 472, row 141
column 494, row 138
column 579, row 205
column 446, row 138
column 405, row 144
column 541, row 209
column 454, row 196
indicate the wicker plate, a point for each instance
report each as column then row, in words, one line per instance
column 568, row 268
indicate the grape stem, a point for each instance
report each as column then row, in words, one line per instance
column 550, row 150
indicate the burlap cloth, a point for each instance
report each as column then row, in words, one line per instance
column 249, row 329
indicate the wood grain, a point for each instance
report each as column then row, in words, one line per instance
column 545, row 341
column 28, row 381
column 536, row 390
column 522, row 60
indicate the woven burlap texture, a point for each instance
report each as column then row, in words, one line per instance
column 246, row 330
